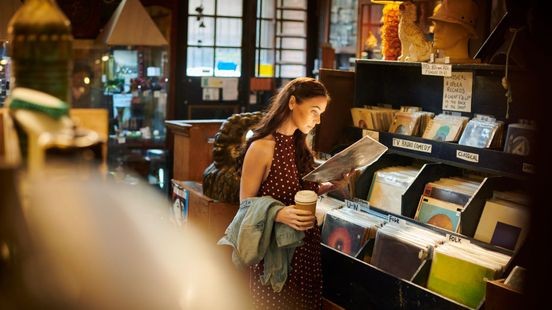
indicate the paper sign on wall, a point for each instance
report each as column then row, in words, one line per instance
column 457, row 91
column 230, row 89
column 210, row 93
column 211, row 82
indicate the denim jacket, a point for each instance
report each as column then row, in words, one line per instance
column 253, row 238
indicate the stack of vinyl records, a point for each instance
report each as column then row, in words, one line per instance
column 444, row 200
column 388, row 186
column 483, row 132
column 459, row 271
column 373, row 117
column 445, row 128
column 505, row 220
column 410, row 123
column 324, row 205
column 521, row 138
column 347, row 230
column 401, row 249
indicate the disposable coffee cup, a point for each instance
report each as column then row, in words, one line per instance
column 306, row 200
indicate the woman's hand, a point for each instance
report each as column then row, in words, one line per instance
column 340, row 184
column 295, row 218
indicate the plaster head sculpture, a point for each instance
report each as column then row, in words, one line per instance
column 454, row 26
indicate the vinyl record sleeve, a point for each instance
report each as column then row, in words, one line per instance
column 438, row 213
column 362, row 153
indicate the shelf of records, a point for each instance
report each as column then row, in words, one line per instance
column 424, row 234
column 481, row 142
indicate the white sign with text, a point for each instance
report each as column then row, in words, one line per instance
column 457, row 92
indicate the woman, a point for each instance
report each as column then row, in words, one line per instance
column 274, row 161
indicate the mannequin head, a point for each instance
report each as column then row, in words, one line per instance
column 454, row 25
column 450, row 40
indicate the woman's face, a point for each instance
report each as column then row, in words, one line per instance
column 306, row 115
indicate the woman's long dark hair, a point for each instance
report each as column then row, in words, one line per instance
column 302, row 88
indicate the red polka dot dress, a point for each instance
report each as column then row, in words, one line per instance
column 303, row 288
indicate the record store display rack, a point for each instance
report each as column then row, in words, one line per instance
column 348, row 280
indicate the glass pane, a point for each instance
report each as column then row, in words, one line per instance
column 267, row 34
column 292, row 28
column 299, row 4
column 292, row 56
column 230, row 7
column 265, row 64
column 198, row 34
column 292, row 71
column 200, row 61
column 266, row 7
column 298, row 43
column 229, row 31
column 228, row 62
column 208, row 6
column 297, row 15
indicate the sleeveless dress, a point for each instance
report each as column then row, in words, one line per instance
column 303, row 287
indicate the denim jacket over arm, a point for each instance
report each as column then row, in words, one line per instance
column 255, row 236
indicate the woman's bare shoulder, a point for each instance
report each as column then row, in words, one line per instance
column 261, row 150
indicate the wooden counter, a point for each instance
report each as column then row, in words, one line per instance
column 192, row 147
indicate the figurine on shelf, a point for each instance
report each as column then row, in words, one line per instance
column 414, row 45
column 454, row 26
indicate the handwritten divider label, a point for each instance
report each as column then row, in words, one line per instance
column 412, row 145
column 457, row 91
column 395, row 220
column 467, row 156
column 436, row 69
column 357, row 205
column 456, row 239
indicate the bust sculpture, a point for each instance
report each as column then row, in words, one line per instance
column 454, row 26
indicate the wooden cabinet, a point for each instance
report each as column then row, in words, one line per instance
column 334, row 122
column 210, row 216
column 193, row 147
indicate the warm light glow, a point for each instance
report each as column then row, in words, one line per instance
column 385, row 1
column 105, row 58
column 86, row 80
column 3, row 62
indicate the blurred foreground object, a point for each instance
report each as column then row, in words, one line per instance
column 46, row 132
column 41, row 48
column 103, row 245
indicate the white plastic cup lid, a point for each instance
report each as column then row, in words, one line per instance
column 306, row 196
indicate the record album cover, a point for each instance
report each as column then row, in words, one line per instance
column 362, row 153
column 343, row 235
column 439, row 213
column 396, row 256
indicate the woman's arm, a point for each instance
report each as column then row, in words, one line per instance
column 256, row 164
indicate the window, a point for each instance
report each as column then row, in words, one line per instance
column 214, row 38
column 281, row 41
